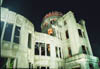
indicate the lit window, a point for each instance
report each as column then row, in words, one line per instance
column 48, row 49
column 80, row 32
column 8, row 32
column 29, row 40
column 17, row 34
column 37, row 48
column 50, row 31
column 1, row 27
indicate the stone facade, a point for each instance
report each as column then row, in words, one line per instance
column 62, row 44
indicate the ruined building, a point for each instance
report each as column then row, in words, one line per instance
column 62, row 44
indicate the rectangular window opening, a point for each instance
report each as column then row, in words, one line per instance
column 67, row 35
column 48, row 68
column 38, row 67
column 29, row 40
column 11, row 65
column 48, row 49
column 60, row 52
column 91, row 66
column 56, row 49
column 17, row 34
column 84, row 49
column 80, row 33
column 29, row 65
column 43, row 49
column 8, row 32
column 70, row 53
column 43, row 67
column 37, row 48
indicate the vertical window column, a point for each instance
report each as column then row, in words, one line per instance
column 17, row 34
column 57, row 52
column 43, row 49
column 11, row 64
column 37, row 48
column 67, row 35
column 48, row 49
column 60, row 52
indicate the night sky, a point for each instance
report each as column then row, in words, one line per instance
column 88, row 10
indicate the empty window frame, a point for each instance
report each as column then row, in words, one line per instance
column 70, row 52
column 80, row 32
column 11, row 65
column 1, row 27
column 91, row 66
column 67, row 34
column 56, row 49
column 43, row 49
column 84, row 49
column 8, row 32
column 29, row 65
column 48, row 68
column 48, row 49
column 29, row 40
column 43, row 67
column 37, row 48
column 17, row 34
column 53, row 21
column 60, row 52
column 38, row 67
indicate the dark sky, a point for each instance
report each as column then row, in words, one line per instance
column 88, row 10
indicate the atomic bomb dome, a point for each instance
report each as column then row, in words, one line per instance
column 54, row 13
column 62, row 44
